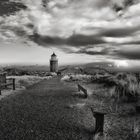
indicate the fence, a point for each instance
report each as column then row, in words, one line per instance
column 4, row 82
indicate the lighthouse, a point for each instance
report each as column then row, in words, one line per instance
column 53, row 63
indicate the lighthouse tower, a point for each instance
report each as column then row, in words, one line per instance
column 53, row 63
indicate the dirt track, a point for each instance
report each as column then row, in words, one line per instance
column 46, row 111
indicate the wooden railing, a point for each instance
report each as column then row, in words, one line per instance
column 9, row 82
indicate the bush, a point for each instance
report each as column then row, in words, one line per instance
column 106, row 79
column 76, row 77
column 126, row 87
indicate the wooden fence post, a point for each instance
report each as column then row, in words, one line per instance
column 99, row 126
column 78, row 88
column 0, row 89
column 4, row 77
column 138, row 108
column 86, row 95
column 13, row 83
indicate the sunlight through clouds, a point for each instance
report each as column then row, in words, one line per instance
column 121, row 63
column 77, row 27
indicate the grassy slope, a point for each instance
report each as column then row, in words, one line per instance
column 29, row 68
column 121, row 121
column 47, row 111
column 42, row 112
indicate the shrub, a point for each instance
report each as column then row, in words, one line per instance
column 76, row 77
column 126, row 88
column 106, row 79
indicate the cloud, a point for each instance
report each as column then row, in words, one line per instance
column 76, row 26
column 62, row 18
column 18, row 25
column 119, row 32
column 74, row 40
column 121, row 63
column 8, row 7
column 56, row 16
column 94, row 51
column 129, row 52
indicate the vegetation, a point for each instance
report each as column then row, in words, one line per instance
column 123, row 85
column 26, row 70
column 52, row 110
column 127, row 87
column 76, row 77
column 23, row 82
column 42, row 112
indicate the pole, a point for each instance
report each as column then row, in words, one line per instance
column 13, row 83
column 0, row 89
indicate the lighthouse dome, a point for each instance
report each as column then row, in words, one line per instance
column 53, row 55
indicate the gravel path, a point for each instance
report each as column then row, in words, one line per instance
column 48, row 110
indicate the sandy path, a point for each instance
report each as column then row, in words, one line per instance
column 47, row 111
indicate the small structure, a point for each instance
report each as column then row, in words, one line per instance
column 53, row 63
column 99, row 116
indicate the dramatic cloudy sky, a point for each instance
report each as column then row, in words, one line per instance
column 79, row 31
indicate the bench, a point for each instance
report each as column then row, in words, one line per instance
column 81, row 88
column 99, row 126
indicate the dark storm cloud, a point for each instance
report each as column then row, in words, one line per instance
column 74, row 40
column 8, row 7
column 16, row 30
column 119, row 32
column 129, row 2
column 93, row 21
column 104, row 51
column 134, row 42
column 84, row 40
column 122, row 5
column 45, row 3
column 133, row 54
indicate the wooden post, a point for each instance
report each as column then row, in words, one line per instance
column 13, row 84
column 0, row 89
column 86, row 95
column 138, row 108
column 99, row 126
column 78, row 87
column 4, row 79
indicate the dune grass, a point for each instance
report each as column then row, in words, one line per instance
column 121, row 121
